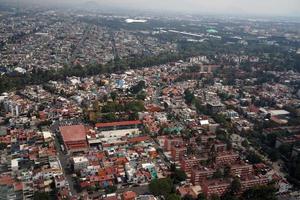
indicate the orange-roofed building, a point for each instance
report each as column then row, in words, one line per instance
column 119, row 125
column 100, row 155
column 18, row 186
column 153, row 108
column 6, row 180
column 43, row 115
column 107, row 171
column 138, row 139
column 74, row 138
column 121, row 161
column 128, row 195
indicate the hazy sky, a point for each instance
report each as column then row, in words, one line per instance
column 248, row 7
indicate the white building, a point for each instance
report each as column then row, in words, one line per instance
column 60, row 181
column 130, row 172
column 80, row 162
column 14, row 165
column 119, row 133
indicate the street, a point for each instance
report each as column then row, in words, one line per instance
column 63, row 158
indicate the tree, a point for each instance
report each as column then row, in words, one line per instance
column 271, row 139
column 274, row 155
column 221, row 119
column 245, row 144
column 264, row 192
column 138, row 87
column 41, row 196
column 113, row 96
column 110, row 117
column 294, row 167
column 173, row 196
column 201, row 196
column 227, row 170
column 218, row 174
column 110, row 189
column 188, row 96
column 235, row 186
column 188, row 197
column 253, row 158
column 2, row 146
column 201, row 109
column 215, row 197
column 232, row 191
column 179, row 176
column 285, row 150
column 134, row 106
column 141, row 95
column 228, row 196
column 161, row 186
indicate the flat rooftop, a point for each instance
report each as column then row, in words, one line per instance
column 73, row 133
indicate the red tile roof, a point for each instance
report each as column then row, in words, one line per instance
column 6, row 180
column 18, row 186
column 129, row 195
column 73, row 133
column 122, row 123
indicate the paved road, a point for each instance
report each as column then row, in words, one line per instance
column 63, row 158
column 163, row 157
column 80, row 44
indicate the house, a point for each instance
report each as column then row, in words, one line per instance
column 129, row 195
column 80, row 162
column 60, row 181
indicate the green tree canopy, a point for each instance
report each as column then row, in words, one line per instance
column 173, row 196
column 189, row 96
column 138, row 87
column 41, row 196
column 201, row 196
column 265, row 192
column 161, row 186
column 2, row 146
column 110, row 189
column 113, row 95
column 188, row 197
column 179, row 176
column 253, row 158
column 235, row 186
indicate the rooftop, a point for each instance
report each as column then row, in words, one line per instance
column 122, row 123
column 73, row 133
